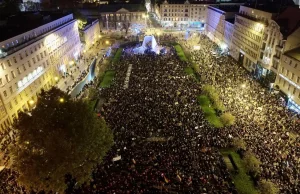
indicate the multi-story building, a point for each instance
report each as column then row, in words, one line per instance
column 275, row 41
column 90, row 33
column 288, row 78
column 248, row 36
column 183, row 15
column 35, row 49
column 220, row 22
column 115, row 16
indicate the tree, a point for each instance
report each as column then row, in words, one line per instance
column 60, row 136
column 239, row 144
column 10, row 6
column 93, row 93
column 252, row 164
column 82, row 20
column 267, row 187
column 227, row 119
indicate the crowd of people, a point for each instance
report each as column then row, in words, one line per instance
column 270, row 130
column 163, row 143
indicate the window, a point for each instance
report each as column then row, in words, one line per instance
column 11, row 89
column 3, row 66
column 7, row 78
column 8, row 62
column 21, row 57
column 18, row 70
column 24, row 67
column 29, row 64
column 10, row 105
column 4, row 93
column 15, row 60
column 1, row 82
column 16, row 101
column 13, row 74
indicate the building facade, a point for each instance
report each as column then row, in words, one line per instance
column 90, row 33
column 219, row 25
column 33, row 60
column 248, row 36
column 185, row 15
column 288, row 78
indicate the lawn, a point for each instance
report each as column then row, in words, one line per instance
column 242, row 181
column 209, row 111
column 117, row 55
column 180, row 52
column 107, row 79
column 190, row 71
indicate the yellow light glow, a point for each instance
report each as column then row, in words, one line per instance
column 84, row 51
column 243, row 85
column 71, row 62
column 31, row 102
column 61, row 100
column 99, row 36
column 56, row 78
column 107, row 42
column 196, row 47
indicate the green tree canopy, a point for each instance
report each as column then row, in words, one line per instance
column 60, row 136
column 267, row 187
column 252, row 164
column 239, row 143
column 227, row 119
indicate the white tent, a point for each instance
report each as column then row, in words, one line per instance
column 147, row 39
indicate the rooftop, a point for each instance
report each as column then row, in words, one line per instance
column 270, row 6
column 227, row 8
column 116, row 7
column 13, row 25
column 231, row 20
column 295, row 53
column 288, row 20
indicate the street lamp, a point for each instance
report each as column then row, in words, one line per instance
column 243, row 85
column 107, row 42
column 56, row 78
column 61, row 100
column 31, row 102
column 158, row 34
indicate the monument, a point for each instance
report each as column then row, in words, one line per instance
column 149, row 45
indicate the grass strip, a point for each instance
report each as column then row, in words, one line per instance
column 242, row 181
column 107, row 79
column 117, row 55
column 209, row 112
column 180, row 52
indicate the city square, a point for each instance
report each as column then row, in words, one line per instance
column 151, row 107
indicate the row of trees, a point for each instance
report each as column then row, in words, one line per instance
column 59, row 137
column 226, row 117
column 252, row 166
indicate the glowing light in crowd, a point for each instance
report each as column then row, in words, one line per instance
column 288, row 80
column 243, row 85
column 61, row 100
column 107, row 42
column 56, row 78
column 31, row 102
column 196, row 47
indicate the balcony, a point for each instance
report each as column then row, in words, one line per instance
column 276, row 58
column 279, row 47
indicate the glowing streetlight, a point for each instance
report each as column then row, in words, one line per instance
column 107, row 42
column 243, row 85
column 99, row 36
column 56, row 78
column 71, row 63
column 61, row 100
column 84, row 51
column 31, row 102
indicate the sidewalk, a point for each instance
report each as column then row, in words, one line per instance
column 82, row 64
